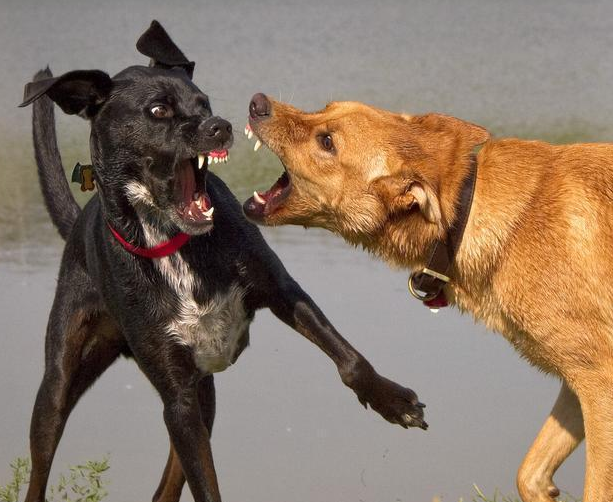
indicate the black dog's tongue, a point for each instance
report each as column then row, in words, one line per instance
column 187, row 182
column 191, row 205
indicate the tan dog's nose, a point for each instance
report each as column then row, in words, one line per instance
column 259, row 107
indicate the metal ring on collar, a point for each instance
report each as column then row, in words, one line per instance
column 422, row 297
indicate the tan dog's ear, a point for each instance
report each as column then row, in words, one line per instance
column 471, row 133
column 427, row 200
column 399, row 194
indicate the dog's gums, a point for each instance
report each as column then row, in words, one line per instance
column 265, row 203
column 192, row 202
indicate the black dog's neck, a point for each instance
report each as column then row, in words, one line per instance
column 128, row 221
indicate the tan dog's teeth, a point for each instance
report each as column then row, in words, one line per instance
column 249, row 134
column 258, row 198
column 209, row 213
column 257, row 145
column 210, row 159
column 200, row 160
column 246, row 131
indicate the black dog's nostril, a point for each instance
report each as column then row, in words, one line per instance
column 217, row 127
column 259, row 107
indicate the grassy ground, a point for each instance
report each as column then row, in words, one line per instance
column 479, row 496
column 85, row 483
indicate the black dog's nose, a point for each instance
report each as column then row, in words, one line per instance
column 216, row 127
column 259, row 107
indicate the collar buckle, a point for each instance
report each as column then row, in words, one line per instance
column 418, row 293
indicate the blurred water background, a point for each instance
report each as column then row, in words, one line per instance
column 286, row 428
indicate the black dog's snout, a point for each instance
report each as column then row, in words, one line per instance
column 259, row 107
column 217, row 127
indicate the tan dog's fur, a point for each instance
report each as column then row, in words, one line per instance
column 535, row 264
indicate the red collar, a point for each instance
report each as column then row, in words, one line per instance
column 161, row 250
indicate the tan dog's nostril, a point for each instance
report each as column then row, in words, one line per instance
column 259, row 106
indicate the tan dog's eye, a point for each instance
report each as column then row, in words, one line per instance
column 325, row 140
column 162, row 111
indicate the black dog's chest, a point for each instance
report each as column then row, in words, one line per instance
column 215, row 328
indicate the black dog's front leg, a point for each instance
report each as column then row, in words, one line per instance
column 395, row 403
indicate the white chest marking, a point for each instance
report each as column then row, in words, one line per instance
column 213, row 329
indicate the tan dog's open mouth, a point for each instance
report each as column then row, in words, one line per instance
column 263, row 204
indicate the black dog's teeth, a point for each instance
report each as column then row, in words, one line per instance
column 199, row 162
column 194, row 161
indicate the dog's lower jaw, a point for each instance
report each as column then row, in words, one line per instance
column 168, row 219
column 191, row 228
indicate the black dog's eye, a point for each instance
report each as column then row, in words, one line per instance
column 325, row 140
column 161, row 111
column 204, row 103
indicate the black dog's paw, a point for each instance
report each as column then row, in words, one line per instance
column 397, row 404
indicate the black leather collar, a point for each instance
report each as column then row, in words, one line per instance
column 427, row 284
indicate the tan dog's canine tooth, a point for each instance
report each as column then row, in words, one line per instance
column 258, row 198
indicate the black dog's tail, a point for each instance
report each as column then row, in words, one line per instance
column 60, row 202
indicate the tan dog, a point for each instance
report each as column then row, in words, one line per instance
column 535, row 263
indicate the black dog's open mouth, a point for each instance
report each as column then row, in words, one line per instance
column 192, row 202
column 263, row 204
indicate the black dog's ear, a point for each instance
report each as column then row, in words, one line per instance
column 76, row 92
column 156, row 44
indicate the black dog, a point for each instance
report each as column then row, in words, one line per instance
column 145, row 274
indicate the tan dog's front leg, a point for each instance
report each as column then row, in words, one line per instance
column 560, row 435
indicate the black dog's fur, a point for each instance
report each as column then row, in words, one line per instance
column 167, row 313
